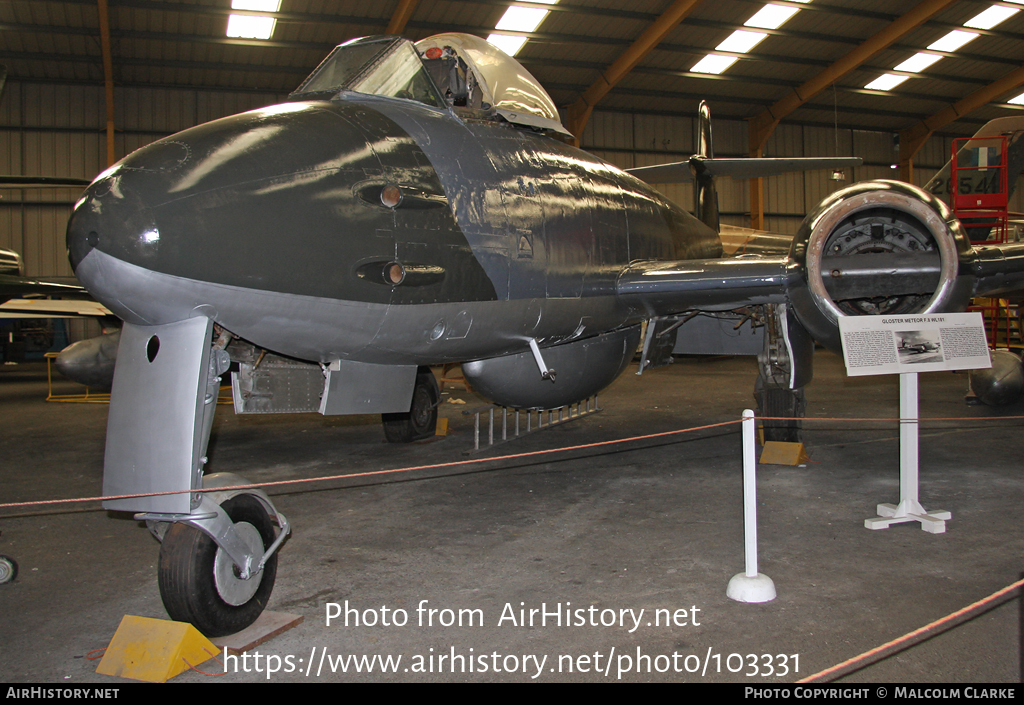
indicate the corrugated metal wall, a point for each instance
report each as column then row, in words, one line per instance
column 59, row 130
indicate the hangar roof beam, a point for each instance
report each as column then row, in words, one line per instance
column 579, row 112
column 913, row 138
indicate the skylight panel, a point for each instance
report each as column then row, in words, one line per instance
column 1019, row 100
column 508, row 43
column 714, row 63
column 918, row 62
column 741, row 41
column 252, row 26
column 886, row 82
column 991, row 17
column 771, row 16
column 256, row 5
column 518, row 19
column 952, row 41
column 522, row 19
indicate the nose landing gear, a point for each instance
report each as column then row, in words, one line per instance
column 201, row 583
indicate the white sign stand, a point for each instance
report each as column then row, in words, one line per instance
column 909, row 508
column 907, row 345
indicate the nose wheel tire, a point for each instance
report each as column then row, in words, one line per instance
column 8, row 569
column 421, row 420
column 198, row 581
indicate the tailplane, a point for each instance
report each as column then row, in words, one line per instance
column 702, row 168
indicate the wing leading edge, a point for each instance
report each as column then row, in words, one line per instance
column 736, row 168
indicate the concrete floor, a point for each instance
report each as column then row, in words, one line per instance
column 646, row 525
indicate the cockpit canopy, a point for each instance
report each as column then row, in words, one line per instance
column 457, row 70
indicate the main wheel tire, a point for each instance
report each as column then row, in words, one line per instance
column 199, row 583
column 421, row 419
column 8, row 569
column 773, row 401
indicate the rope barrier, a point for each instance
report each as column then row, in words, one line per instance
column 327, row 478
column 891, row 645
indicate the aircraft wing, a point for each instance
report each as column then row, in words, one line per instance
column 52, row 308
column 13, row 289
column 665, row 288
column 23, row 182
column 737, row 168
column 670, row 287
column 12, row 286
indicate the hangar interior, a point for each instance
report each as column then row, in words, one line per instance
column 81, row 72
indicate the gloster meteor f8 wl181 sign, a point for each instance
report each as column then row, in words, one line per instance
column 418, row 204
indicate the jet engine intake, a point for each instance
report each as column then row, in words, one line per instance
column 877, row 248
column 584, row 367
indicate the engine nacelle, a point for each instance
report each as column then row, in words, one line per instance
column 582, row 368
column 876, row 248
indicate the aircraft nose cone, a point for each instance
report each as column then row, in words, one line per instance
column 112, row 215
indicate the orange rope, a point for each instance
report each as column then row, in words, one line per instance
column 278, row 483
column 213, row 675
column 917, row 632
column 13, row 505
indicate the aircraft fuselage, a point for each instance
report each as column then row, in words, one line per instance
column 280, row 225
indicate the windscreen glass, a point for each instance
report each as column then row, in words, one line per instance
column 389, row 67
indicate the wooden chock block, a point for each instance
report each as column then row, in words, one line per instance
column 154, row 650
column 442, row 426
column 782, row 453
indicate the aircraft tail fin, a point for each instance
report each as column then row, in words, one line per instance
column 979, row 180
column 705, row 196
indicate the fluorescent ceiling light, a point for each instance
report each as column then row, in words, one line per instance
column 952, row 41
column 772, row 16
column 1019, row 100
column 991, row 17
column 918, row 62
column 256, row 5
column 507, row 43
column 250, row 26
column 886, row 82
column 714, row 63
column 741, row 41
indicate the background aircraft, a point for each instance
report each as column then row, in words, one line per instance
column 419, row 204
column 13, row 284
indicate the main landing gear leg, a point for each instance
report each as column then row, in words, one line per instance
column 421, row 420
column 218, row 559
column 783, row 369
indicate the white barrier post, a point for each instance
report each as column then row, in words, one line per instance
column 750, row 586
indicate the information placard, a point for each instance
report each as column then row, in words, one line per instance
column 876, row 345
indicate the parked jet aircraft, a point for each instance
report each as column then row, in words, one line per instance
column 416, row 204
